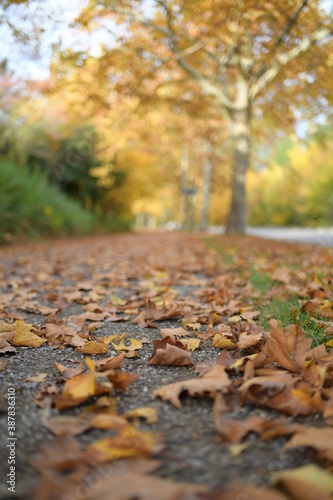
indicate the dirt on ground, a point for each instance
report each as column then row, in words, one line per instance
column 134, row 366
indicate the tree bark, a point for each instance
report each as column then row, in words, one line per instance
column 207, row 179
column 241, row 136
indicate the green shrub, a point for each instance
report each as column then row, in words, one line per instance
column 30, row 207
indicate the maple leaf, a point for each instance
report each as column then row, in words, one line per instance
column 24, row 337
column 191, row 344
column 288, row 346
column 247, row 340
column 170, row 352
column 6, row 347
column 109, row 363
column 277, row 392
column 173, row 332
column 93, row 347
column 134, row 345
column 222, row 342
column 69, row 372
column 213, row 381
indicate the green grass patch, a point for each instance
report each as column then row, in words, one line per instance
column 260, row 280
column 289, row 312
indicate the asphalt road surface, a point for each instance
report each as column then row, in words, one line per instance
column 314, row 236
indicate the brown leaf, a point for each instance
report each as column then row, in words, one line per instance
column 130, row 485
column 168, row 352
column 233, row 430
column 63, row 453
column 288, row 346
column 67, row 424
column 37, row 378
column 120, row 380
column 281, row 275
column 69, row 372
column 6, row 347
column 109, row 363
column 277, row 392
column 320, row 439
column 249, row 340
column 174, row 332
column 213, row 381
column 306, row 483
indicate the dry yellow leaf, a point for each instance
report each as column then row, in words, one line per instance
column 81, row 386
column 93, row 347
column 222, row 342
column 24, row 337
column 147, row 412
column 129, row 442
column 135, row 344
column 191, row 344
column 193, row 326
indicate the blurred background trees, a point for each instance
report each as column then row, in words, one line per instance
column 142, row 125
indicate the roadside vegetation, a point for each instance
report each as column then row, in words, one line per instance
column 288, row 282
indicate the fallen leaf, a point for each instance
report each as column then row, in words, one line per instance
column 109, row 363
column 108, row 421
column 37, row 378
column 93, row 347
column 135, row 344
column 222, row 342
column 249, row 340
column 320, row 439
column 288, row 346
column 148, row 413
column 6, row 347
column 120, row 380
column 213, row 381
column 168, row 352
column 67, row 371
column 129, row 442
column 24, row 337
column 174, row 332
column 130, row 485
column 67, row 425
column 191, row 344
column 281, row 275
column 306, row 482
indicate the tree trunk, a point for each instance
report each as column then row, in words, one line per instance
column 207, row 180
column 241, row 136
